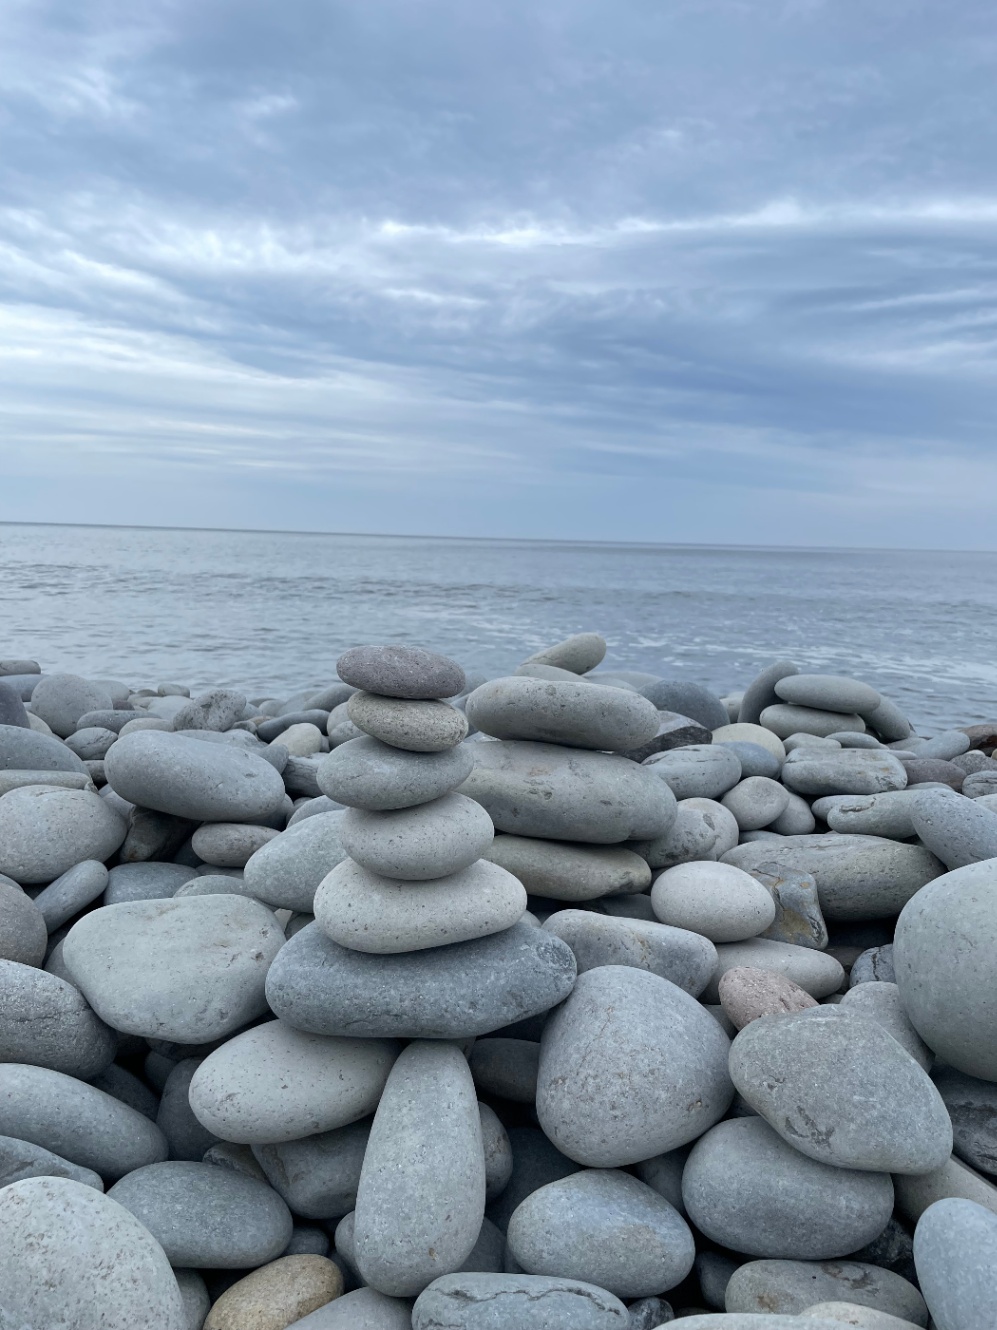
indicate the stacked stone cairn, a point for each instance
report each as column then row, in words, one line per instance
column 576, row 999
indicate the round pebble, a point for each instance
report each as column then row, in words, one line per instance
column 756, row 801
column 719, row 901
column 44, row 831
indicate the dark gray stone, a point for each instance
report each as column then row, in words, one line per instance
column 188, row 1139
column 688, row 699
column 318, row 1175
column 506, row 1068
column 673, row 731
column 144, row 882
column 972, row 1106
column 23, row 935
column 754, row 759
column 535, row 1162
column 874, row 966
column 400, row 671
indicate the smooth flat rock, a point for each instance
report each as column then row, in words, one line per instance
column 362, row 1309
column 847, row 771
column 92, row 743
column 15, row 779
column 723, row 903
column 578, row 654
column 416, row 844
column 972, row 1106
column 23, row 935
column 630, row 1066
column 272, row 1084
column 75, row 1120
column 747, row 994
column 688, row 699
column 145, row 881
column 569, row 872
column 753, row 734
column 685, row 958
column 945, row 957
column 192, row 970
column 73, row 1257
column 828, row 692
column 790, row 1287
column 575, row 714
column 372, row 913
column 277, row 1295
column 61, row 699
column 516, row 1302
column 317, row 1175
column 880, row 1001
column 421, row 1197
column 401, row 671
column 955, row 1251
column 606, row 1225
column 850, row 1313
column 784, row 719
column 701, row 771
column 192, row 778
column 798, row 917
column 954, row 827
column 44, row 831
column 858, row 877
column 954, row 1178
column 749, row 1191
column 754, row 759
column 885, row 814
column 760, row 693
column 888, row 722
column 285, row 873
column 419, row 727
column 814, row 971
column 206, row 1217
column 366, row 773
column 756, row 802
column 230, row 844
column 453, row 992
column 532, row 789
column 78, row 887
column 21, row 1159
column 47, row 1023
column 805, row 1072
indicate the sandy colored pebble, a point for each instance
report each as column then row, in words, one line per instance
column 276, row 1295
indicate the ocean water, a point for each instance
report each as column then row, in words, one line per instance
column 270, row 612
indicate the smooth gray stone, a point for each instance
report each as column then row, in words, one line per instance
column 686, row 959
column 580, row 653
column 361, row 1309
column 23, row 684
column 761, row 693
column 701, row 771
column 535, row 1162
column 516, row 1302
column 858, row 877
column 574, row 714
column 273, row 729
column 790, row 1287
column 45, row 830
column 828, row 692
column 45, row 1022
column 879, row 1001
column 144, row 882
column 196, row 1300
column 191, row 970
column 417, row 844
column 286, row 872
column 649, row 1313
column 307, row 1241
column 754, row 759
column 191, row 778
column 806, row 1073
column 305, row 807
column 188, row 1139
column 427, row 726
column 317, row 1175
column 713, row 1270
column 73, row 1257
column 955, row 1251
column 893, row 1249
column 723, row 903
column 92, row 743
column 19, row 665
column 230, row 844
column 506, row 1068
column 663, row 1174
column 798, row 918
column 61, row 699
column 238, row 1158
column 331, row 696
column 123, row 1085
column 12, row 711
column 421, row 1197
column 980, row 784
column 152, row 835
column 75, row 1120
column 207, row 1217
column 945, row 957
column 915, row 1194
column 852, row 739
column 783, row 719
column 555, row 793
column 688, row 699
column 113, row 720
column 945, row 746
column 454, row 992
column 536, row 670
column 885, row 814
column 301, row 775
column 888, row 722
column 846, row 771
column 814, row 971
column 218, row 709
column 23, row 935
column 874, row 965
column 16, row 779
column 569, row 872
column 954, row 827
column 365, row 773
column 972, row 1106
column 21, row 1159
column 797, row 820
column 701, row 829
column 974, row 761
column 71, row 892
column 401, row 671
column 625, row 1027
column 749, row 1191
column 221, row 883
column 756, row 802
column 606, row 1225
column 497, row 1151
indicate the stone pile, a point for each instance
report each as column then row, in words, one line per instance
column 575, row 999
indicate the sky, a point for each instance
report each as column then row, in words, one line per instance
column 720, row 271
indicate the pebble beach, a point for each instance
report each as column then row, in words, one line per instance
column 583, row 997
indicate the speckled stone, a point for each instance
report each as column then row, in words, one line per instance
column 44, row 831
column 545, row 711
column 747, row 994
column 362, row 1309
column 790, row 1287
column 46, row 1022
column 366, row 773
column 277, row 1295
column 22, row 749
column 955, row 1251
column 686, row 959
column 401, row 671
column 813, row 772
column 61, row 699
column 756, row 802
column 953, row 827
column 783, row 719
column 416, row 844
column 230, row 844
column 721, row 902
column 23, row 935
column 317, row 1175
column 285, row 872
column 702, row 830
column 569, row 872
column 420, row 727
column 513, row 1302
column 71, row 892
column 814, row 971
column 879, row 1001
column 21, row 1159
column 701, row 771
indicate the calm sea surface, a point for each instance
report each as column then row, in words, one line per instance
column 271, row 611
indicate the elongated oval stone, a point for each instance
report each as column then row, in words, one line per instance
column 545, row 711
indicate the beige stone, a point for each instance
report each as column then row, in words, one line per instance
column 747, row 993
column 276, row 1295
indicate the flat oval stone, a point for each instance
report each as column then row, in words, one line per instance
column 721, row 902
column 756, row 801
column 230, row 844
column 630, row 1066
column 317, row 1175
column 92, row 743
column 44, row 831
column 684, row 958
column 578, row 654
column 783, row 720
column 850, row 1313
column 273, row 1083
column 954, row 827
column 749, row 1191
column 368, row 912
column 278, row 1294
column 789, row 1287
column 567, row 872
column 955, row 1251
column 575, row 714
column 513, row 1302
column 145, row 881
column 760, row 693
column 71, row 892
column 753, row 734
column 207, row 1217
column 746, row 994
column 61, row 699
column 421, row 1198
column 454, row 992
column 805, row 1072
column 192, row 969
column 362, row 1309
column 845, row 771
column 814, row 971
column 400, row 671
column 945, row 957
column 366, row 773
column 46, row 1022
column 285, row 873
column 701, row 771
column 554, row 793
column 193, row 778
column 420, row 727
column 607, row 1225
column 827, row 692
column 687, row 699
column 73, row 1257
column 416, row 844
column 886, row 814
column 915, row 1194
column 754, row 759
column 76, row 1120
column 858, row 877
column 23, row 935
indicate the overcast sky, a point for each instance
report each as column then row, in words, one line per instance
column 676, row 270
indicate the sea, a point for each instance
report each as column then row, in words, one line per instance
column 269, row 612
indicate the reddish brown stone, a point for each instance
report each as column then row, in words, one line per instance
column 747, row 993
